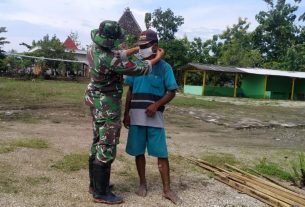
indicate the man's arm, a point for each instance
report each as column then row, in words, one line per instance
column 135, row 66
column 126, row 120
column 152, row 108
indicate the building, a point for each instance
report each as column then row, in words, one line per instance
column 244, row 82
column 129, row 23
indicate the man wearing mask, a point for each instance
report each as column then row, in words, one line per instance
column 107, row 66
column 145, row 101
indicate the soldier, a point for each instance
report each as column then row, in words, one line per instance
column 107, row 65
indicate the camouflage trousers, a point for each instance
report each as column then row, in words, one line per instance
column 106, row 115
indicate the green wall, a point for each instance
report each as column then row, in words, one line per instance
column 253, row 86
column 280, row 87
column 299, row 89
column 211, row 90
column 218, row 91
column 194, row 90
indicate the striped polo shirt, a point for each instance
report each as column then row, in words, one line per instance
column 147, row 90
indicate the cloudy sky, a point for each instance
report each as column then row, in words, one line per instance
column 27, row 20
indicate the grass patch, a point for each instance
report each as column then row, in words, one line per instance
column 34, row 143
column 37, row 180
column 219, row 159
column 6, row 148
column 272, row 169
column 41, row 92
column 8, row 183
column 72, row 162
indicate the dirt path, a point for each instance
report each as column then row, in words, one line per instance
column 69, row 130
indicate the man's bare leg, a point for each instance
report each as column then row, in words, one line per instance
column 141, row 163
column 163, row 166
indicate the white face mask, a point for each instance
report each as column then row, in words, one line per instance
column 147, row 52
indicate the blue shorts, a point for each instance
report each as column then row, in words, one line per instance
column 140, row 137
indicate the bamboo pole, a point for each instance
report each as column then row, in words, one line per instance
column 292, row 89
column 203, row 83
column 184, row 81
column 235, row 84
column 275, row 193
column 253, row 193
column 223, row 177
column 278, row 195
column 269, row 183
column 265, row 85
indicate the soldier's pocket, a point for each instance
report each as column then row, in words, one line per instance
column 110, row 133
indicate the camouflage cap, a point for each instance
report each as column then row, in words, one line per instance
column 111, row 29
column 109, row 35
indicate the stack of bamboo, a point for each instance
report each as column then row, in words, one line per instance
column 268, row 192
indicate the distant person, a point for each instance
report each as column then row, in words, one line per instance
column 145, row 101
column 107, row 65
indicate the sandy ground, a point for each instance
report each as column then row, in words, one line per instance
column 69, row 131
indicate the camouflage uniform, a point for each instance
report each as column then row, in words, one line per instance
column 104, row 92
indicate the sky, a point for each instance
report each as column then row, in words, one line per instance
column 28, row 20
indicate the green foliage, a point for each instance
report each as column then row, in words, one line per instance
column 272, row 169
column 277, row 35
column 72, row 162
column 298, row 170
column 50, row 47
column 175, row 52
column 2, row 42
column 165, row 22
column 131, row 40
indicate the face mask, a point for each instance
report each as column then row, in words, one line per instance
column 147, row 52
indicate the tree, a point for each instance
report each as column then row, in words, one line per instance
column 237, row 48
column 2, row 42
column 165, row 22
column 74, row 36
column 278, row 33
column 51, row 48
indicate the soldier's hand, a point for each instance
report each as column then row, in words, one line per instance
column 126, row 121
column 160, row 53
column 151, row 110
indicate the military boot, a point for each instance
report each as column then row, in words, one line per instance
column 102, row 192
column 90, row 161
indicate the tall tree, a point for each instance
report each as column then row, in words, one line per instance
column 3, row 41
column 237, row 48
column 277, row 32
column 165, row 22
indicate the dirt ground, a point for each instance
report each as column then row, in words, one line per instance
column 242, row 128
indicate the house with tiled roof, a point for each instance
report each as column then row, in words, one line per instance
column 129, row 23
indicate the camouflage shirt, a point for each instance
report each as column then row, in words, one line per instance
column 107, row 67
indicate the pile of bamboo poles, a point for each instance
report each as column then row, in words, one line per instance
column 266, row 191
